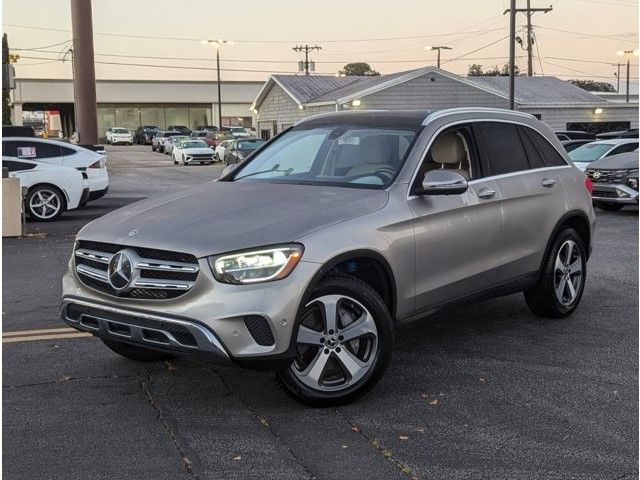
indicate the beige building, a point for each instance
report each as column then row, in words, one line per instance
column 285, row 99
column 130, row 103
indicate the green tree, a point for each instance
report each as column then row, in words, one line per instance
column 591, row 86
column 476, row 70
column 358, row 69
column 6, row 100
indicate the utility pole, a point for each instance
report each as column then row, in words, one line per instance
column 306, row 49
column 438, row 49
column 84, row 84
column 218, row 44
column 529, row 12
column 512, row 54
column 617, row 75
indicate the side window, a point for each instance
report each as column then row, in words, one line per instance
column 37, row 150
column 16, row 166
column 453, row 149
column 540, row 152
column 9, row 148
column 627, row 147
column 501, row 147
column 65, row 151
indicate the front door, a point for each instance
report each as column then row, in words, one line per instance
column 457, row 236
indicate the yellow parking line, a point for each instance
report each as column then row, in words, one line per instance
column 21, row 333
column 35, row 338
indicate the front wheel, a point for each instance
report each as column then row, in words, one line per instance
column 343, row 343
column 45, row 203
column 559, row 289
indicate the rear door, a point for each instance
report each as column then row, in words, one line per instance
column 528, row 173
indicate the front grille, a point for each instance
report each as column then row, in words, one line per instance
column 610, row 176
column 605, row 193
column 154, row 274
column 259, row 329
column 182, row 334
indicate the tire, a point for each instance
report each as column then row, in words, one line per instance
column 153, row 147
column 55, row 203
column 325, row 351
column 609, row 207
column 161, row 149
column 132, row 352
column 558, row 278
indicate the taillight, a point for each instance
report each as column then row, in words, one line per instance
column 96, row 164
column 588, row 184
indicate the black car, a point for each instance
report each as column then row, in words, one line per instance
column 619, row 134
column 575, row 135
column 241, row 148
column 17, row 131
column 573, row 144
column 180, row 128
column 198, row 133
column 144, row 134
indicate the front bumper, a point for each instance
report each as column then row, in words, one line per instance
column 614, row 193
column 189, row 159
column 216, row 312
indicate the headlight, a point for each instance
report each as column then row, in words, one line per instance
column 253, row 266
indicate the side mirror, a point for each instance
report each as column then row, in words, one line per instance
column 443, row 182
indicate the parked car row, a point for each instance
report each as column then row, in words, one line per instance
column 59, row 176
column 144, row 134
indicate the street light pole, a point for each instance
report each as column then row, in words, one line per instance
column 627, row 54
column 218, row 44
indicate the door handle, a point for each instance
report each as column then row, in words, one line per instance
column 486, row 193
column 548, row 182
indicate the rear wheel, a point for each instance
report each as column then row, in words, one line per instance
column 559, row 289
column 343, row 344
column 609, row 207
column 153, row 147
column 45, row 203
column 132, row 352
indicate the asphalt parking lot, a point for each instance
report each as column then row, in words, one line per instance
column 488, row 391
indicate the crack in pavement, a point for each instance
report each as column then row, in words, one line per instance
column 65, row 379
column 184, row 459
column 265, row 424
column 375, row 443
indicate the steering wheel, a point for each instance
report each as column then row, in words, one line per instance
column 383, row 173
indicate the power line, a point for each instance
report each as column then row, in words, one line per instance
column 476, row 50
column 605, row 37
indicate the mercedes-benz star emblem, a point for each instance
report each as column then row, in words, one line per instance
column 120, row 271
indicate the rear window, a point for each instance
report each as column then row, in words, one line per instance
column 539, row 151
column 589, row 152
column 120, row 130
column 501, row 147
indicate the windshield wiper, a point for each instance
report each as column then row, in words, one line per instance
column 287, row 172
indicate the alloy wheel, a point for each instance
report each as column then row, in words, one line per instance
column 45, row 204
column 336, row 344
column 568, row 273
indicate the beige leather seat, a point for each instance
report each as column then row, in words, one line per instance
column 449, row 151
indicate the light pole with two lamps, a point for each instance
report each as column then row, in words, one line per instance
column 218, row 45
column 627, row 54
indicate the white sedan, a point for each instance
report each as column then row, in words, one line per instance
column 119, row 135
column 60, row 153
column 192, row 151
column 590, row 152
column 221, row 149
column 52, row 189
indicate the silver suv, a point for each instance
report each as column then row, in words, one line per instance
column 307, row 256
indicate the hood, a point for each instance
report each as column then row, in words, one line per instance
column 617, row 162
column 206, row 150
column 219, row 217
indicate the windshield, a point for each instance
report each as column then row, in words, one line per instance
column 120, row 130
column 589, row 152
column 196, row 144
column 343, row 155
column 250, row 145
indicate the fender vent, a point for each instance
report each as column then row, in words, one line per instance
column 259, row 329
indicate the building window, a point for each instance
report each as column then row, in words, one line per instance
column 127, row 117
column 246, row 122
column 599, row 127
column 265, row 134
column 106, row 120
column 152, row 116
column 199, row 117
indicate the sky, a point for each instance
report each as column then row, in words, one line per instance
column 578, row 39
